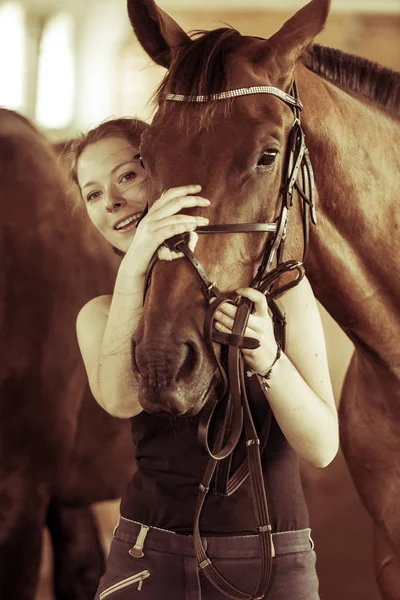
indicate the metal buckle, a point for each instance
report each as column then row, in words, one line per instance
column 210, row 289
column 137, row 550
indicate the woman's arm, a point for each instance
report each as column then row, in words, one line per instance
column 303, row 400
column 300, row 391
column 105, row 330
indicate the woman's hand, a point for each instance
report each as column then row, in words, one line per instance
column 163, row 222
column 259, row 326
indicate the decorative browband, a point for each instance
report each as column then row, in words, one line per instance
column 258, row 89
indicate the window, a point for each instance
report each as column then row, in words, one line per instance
column 12, row 56
column 56, row 76
column 138, row 78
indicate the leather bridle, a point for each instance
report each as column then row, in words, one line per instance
column 240, row 403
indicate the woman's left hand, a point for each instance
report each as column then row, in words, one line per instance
column 259, row 326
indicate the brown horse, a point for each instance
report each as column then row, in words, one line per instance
column 59, row 451
column 236, row 150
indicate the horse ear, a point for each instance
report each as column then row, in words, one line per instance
column 294, row 37
column 156, row 31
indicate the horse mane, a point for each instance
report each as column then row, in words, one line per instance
column 200, row 69
column 367, row 78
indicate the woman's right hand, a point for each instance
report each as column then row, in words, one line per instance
column 162, row 222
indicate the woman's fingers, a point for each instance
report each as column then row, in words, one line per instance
column 175, row 205
column 156, row 226
column 248, row 333
column 229, row 310
column 225, row 316
column 260, row 301
column 161, row 228
column 183, row 190
column 163, row 219
column 222, row 328
column 223, row 319
column 175, row 225
column 179, row 197
column 167, row 222
column 164, row 233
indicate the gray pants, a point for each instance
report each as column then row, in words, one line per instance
column 153, row 564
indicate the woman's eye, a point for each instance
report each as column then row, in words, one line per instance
column 267, row 158
column 92, row 196
column 127, row 177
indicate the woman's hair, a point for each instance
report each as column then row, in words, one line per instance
column 126, row 127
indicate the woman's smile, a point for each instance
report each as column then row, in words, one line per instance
column 127, row 223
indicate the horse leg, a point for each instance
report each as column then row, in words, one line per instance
column 22, row 515
column 387, row 566
column 370, row 437
column 78, row 555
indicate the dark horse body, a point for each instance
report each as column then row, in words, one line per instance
column 59, row 451
column 351, row 121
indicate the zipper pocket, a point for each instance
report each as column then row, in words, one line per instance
column 138, row 578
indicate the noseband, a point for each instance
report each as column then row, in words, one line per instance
column 241, row 406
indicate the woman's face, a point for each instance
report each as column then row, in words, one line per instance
column 112, row 184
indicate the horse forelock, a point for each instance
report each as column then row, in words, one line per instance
column 369, row 79
column 200, row 69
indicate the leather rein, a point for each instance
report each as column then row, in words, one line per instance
column 240, row 408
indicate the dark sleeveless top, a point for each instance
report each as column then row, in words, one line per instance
column 171, row 464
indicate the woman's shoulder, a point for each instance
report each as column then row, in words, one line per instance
column 91, row 323
column 96, row 309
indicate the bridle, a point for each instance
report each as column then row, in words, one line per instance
column 238, row 390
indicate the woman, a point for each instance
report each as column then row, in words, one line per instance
column 151, row 551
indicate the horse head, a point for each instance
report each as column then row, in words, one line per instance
column 236, row 149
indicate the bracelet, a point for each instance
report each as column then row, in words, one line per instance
column 264, row 379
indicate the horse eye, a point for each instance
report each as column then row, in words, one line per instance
column 267, row 158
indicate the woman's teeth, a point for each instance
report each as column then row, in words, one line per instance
column 128, row 221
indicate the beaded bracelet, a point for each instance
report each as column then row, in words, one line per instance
column 264, row 379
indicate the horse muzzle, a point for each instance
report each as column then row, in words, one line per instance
column 174, row 379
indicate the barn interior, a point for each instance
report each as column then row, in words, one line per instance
column 73, row 64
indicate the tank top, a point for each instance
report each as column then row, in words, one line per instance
column 171, row 464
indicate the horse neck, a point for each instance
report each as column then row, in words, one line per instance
column 355, row 247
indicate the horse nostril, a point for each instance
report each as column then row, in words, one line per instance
column 190, row 355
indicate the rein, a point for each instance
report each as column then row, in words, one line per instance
column 232, row 407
